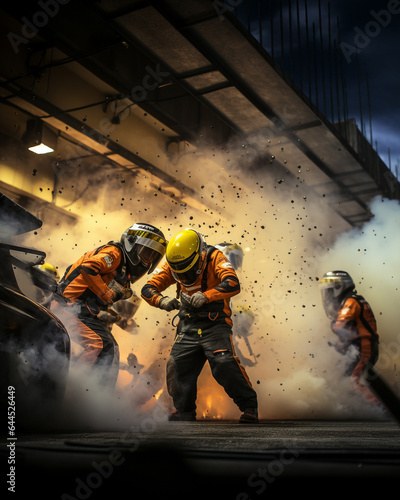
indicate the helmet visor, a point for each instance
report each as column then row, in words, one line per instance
column 329, row 301
column 188, row 271
column 331, row 281
column 187, row 278
column 144, row 251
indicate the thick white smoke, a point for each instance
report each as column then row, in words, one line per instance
column 290, row 237
column 314, row 386
column 371, row 255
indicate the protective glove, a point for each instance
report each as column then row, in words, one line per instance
column 198, row 299
column 121, row 292
column 169, row 303
column 108, row 316
column 185, row 299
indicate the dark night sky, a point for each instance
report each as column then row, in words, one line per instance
column 378, row 56
column 381, row 59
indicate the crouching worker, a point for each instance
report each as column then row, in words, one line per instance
column 205, row 282
column 99, row 278
column 354, row 324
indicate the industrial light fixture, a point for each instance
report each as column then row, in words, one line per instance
column 41, row 149
column 39, row 138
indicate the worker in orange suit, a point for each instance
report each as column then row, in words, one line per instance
column 353, row 323
column 101, row 277
column 205, row 281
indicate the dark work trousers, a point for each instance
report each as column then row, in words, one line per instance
column 188, row 355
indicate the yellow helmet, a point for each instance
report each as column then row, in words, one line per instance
column 186, row 256
column 49, row 269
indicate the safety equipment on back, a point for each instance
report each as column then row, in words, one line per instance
column 186, row 256
column 144, row 246
column 233, row 252
column 333, row 286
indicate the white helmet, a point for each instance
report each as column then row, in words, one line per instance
column 233, row 252
column 333, row 286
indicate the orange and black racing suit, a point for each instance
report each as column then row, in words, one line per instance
column 356, row 325
column 85, row 286
column 204, row 334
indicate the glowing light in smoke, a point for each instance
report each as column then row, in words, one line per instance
column 158, row 394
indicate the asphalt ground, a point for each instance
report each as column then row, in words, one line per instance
column 205, row 459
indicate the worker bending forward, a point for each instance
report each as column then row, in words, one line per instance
column 205, row 282
column 354, row 324
column 99, row 278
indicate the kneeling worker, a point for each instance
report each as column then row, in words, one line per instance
column 205, row 282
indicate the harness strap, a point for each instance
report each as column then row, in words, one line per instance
column 210, row 250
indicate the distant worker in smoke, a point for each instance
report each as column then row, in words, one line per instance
column 150, row 382
column 242, row 316
column 133, row 367
column 233, row 252
column 205, row 282
column 97, row 280
column 47, row 283
column 49, row 269
column 353, row 323
column 243, row 319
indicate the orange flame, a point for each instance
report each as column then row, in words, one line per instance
column 212, row 401
column 158, row 394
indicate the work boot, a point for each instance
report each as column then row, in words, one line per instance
column 185, row 416
column 249, row 416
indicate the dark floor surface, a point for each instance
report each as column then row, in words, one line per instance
column 205, row 459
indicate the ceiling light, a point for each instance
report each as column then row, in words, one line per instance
column 39, row 138
column 41, row 149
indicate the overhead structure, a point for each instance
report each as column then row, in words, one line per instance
column 171, row 75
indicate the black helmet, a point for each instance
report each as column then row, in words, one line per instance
column 334, row 285
column 144, row 246
column 233, row 252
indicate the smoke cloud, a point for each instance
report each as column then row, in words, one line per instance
column 370, row 254
column 290, row 238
